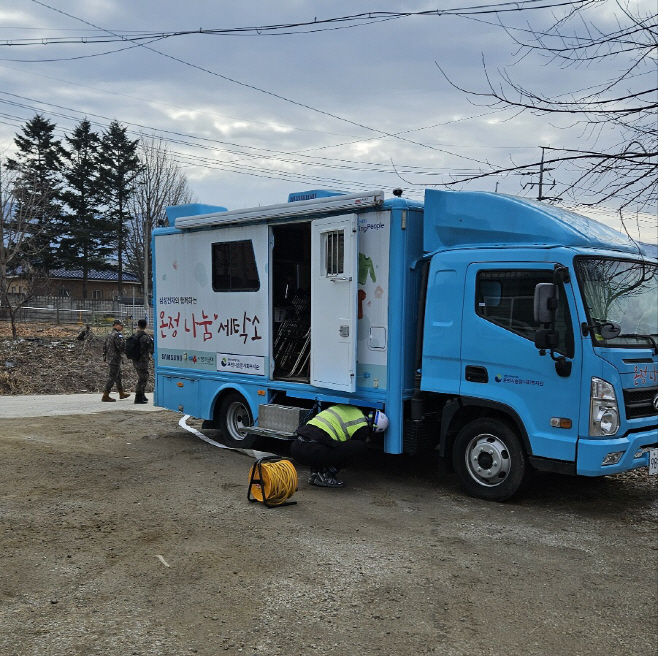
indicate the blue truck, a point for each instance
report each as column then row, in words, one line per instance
column 507, row 334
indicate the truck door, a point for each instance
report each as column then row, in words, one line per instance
column 334, row 302
column 500, row 361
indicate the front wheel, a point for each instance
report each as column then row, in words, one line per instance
column 234, row 413
column 490, row 461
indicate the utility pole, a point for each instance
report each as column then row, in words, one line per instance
column 145, row 282
column 540, row 184
column 541, row 176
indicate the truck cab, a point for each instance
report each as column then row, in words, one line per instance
column 542, row 324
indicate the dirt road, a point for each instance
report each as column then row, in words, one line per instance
column 123, row 534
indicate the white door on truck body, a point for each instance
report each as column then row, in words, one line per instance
column 334, row 302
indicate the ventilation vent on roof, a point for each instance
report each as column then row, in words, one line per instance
column 315, row 193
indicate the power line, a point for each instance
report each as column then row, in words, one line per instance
column 282, row 157
column 255, row 153
column 190, row 109
column 276, row 95
column 378, row 132
column 344, row 22
column 514, row 5
column 269, row 93
column 355, row 140
column 229, row 147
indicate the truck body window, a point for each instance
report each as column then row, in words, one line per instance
column 335, row 252
column 506, row 298
column 234, row 267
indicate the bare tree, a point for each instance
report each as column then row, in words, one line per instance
column 161, row 183
column 20, row 280
column 615, row 157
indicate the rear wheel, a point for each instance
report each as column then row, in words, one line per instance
column 234, row 413
column 490, row 461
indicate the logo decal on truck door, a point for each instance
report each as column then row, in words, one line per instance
column 517, row 380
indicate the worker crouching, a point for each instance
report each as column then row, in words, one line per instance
column 332, row 438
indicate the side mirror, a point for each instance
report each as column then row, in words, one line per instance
column 605, row 330
column 609, row 330
column 545, row 302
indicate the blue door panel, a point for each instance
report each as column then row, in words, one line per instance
column 518, row 376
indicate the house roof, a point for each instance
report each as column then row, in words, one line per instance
column 92, row 274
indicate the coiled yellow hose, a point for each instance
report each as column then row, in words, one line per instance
column 272, row 483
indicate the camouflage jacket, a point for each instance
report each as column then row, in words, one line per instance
column 114, row 348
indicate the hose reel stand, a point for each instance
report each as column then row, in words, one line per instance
column 272, row 481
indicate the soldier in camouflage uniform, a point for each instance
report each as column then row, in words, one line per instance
column 112, row 352
column 142, row 365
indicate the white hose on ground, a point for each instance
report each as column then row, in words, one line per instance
column 250, row 452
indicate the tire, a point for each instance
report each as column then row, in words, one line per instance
column 234, row 413
column 490, row 460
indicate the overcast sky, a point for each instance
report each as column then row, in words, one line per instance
column 251, row 117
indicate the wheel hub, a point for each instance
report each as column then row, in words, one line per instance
column 488, row 460
column 235, row 420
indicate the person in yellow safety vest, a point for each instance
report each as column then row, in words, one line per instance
column 332, row 438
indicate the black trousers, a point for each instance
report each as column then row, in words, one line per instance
column 319, row 455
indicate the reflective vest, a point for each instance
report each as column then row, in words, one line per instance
column 340, row 422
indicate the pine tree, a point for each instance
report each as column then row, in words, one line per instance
column 88, row 232
column 37, row 189
column 119, row 168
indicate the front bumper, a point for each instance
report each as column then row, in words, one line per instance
column 635, row 449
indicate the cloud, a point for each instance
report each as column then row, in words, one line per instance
column 303, row 111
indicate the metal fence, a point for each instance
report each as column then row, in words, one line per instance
column 67, row 310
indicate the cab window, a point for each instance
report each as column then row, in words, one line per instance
column 506, row 298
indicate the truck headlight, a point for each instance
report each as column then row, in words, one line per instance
column 603, row 409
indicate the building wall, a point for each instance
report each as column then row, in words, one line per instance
column 106, row 290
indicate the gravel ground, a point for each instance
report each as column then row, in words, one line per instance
column 124, row 534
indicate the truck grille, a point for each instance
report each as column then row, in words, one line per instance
column 639, row 402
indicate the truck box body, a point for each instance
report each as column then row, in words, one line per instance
column 423, row 310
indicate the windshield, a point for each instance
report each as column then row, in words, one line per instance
column 622, row 291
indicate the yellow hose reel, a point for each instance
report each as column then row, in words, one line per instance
column 272, row 481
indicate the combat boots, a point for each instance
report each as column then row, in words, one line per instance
column 325, row 477
column 107, row 397
column 123, row 395
column 313, row 475
column 141, row 398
